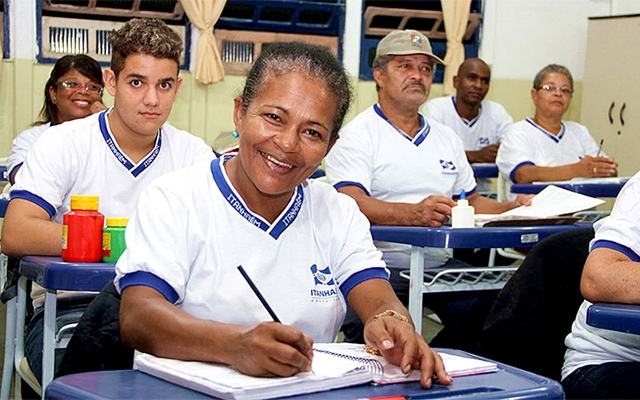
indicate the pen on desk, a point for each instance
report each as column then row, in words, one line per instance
column 258, row 294
column 600, row 148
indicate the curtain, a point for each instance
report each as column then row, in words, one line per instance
column 204, row 14
column 456, row 17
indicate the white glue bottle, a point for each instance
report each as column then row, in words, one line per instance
column 462, row 213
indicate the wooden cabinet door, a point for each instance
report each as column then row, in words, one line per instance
column 610, row 105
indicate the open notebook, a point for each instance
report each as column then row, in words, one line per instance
column 335, row 365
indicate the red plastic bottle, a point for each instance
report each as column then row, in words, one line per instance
column 82, row 230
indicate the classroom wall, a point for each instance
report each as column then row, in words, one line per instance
column 203, row 110
column 518, row 38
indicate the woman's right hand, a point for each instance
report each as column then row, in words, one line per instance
column 597, row 167
column 271, row 349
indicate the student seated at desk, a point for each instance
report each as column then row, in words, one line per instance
column 601, row 363
column 404, row 169
column 481, row 124
column 113, row 154
column 546, row 148
column 74, row 90
column 306, row 247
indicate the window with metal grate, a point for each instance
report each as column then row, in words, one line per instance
column 381, row 17
column 82, row 26
column 246, row 26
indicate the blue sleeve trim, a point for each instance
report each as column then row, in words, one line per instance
column 34, row 198
column 348, row 183
column 143, row 278
column 607, row 244
column 9, row 173
column 361, row 276
column 512, row 175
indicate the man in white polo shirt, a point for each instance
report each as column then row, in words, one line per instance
column 481, row 124
column 403, row 169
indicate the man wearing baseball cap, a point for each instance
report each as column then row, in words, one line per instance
column 403, row 169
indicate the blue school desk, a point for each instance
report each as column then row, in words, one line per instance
column 53, row 274
column 458, row 279
column 593, row 189
column 484, row 170
column 616, row 317
column 507, row 382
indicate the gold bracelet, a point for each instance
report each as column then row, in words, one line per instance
column 391, row 313
column 388, row 313
column 372, row 350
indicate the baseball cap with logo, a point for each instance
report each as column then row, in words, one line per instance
column 398, row 43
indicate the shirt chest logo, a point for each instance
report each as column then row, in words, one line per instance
column 325, row 288
column 322, row 277
column 448, row 167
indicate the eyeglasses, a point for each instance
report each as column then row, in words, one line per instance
column 89, row 87
column 552, row 89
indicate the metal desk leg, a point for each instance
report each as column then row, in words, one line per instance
column 48, row 341
column 415, row 286
column 21, row 311
column 9, row 349
column 492, row 257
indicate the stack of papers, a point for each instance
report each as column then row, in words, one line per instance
column 551, row 202
column 335, row 365
column 611, row 179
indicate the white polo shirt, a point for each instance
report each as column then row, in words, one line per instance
column 391, row 166
column 489, row 127
column 530, row 144
column 81, row 157
column 491, row 124
column 587, row 345
column 191, row 230
column 21, row 145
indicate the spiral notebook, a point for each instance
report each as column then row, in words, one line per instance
column 335, row 365
column 383, row 371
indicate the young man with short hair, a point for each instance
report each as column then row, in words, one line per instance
column 113, row 154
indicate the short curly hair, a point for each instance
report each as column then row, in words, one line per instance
column 149, row 36
column 281, row 58
column 560, row 69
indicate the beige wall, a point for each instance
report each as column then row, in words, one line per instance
column 514, row 95
column 206, row 111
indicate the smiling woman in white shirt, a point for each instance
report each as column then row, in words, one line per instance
column 73, row 90
column 306, row 247
column 546, row 148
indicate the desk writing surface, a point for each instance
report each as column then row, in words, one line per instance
column 582, row 187
column 458, row 238
column 130, row 384
column 616, row 317
column 467, row 238
column 484, row 170
column 53, row 273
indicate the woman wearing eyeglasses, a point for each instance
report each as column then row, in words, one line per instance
column 546, row 148
column 74, row 90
